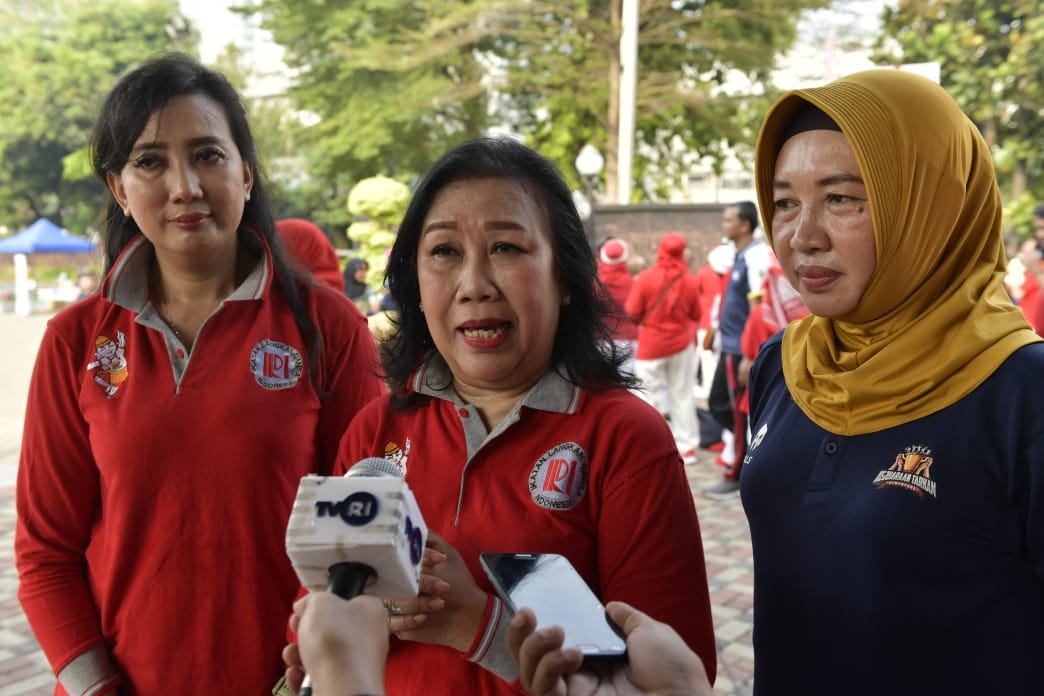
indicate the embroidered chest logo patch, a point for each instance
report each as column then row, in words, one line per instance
column 110, row 363
column 559, row 478
column 755, row 442
column 910, row 470
column 275, row 365
column 399, row 456
column 758, row 437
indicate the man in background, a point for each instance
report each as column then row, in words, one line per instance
column 751, row 265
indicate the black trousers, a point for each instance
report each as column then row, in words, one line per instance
column 721, row 401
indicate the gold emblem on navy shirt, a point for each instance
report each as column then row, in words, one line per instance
column 559, row 478
column 110, row 363
column 911, row 470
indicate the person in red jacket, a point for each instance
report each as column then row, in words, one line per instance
column 774, row 306
column 666, row 302
column 172, row 413
column 617, row 281
column 1023, row 283
column 512, row 423
column 314, row 251
column 1034, row 265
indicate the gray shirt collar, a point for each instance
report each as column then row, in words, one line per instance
column 552, row 393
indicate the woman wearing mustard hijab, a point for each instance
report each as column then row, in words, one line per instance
column 895, row 479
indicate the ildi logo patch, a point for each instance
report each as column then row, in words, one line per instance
column 559, row 478
column 275, row 365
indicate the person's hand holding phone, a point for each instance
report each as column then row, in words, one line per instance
column 659, row 660
column 549, row 585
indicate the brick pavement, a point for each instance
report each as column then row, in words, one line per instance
column 24, row 672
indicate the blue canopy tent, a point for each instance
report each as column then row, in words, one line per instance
column 44, row 236
column 41, row 237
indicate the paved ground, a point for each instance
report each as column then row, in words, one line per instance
column 24, row 672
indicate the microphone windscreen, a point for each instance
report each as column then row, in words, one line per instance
column 374, row 466
column 370, row 518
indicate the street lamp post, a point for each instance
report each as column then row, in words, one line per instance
column 589, row 165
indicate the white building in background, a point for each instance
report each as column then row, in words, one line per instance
column 704, row 185
column 816, row 59
column 806, row 66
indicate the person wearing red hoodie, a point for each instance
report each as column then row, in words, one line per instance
column 312, row 250
column 617, row 281
column 1034, row 266
column 773, row 307
column 1027, row 294
column 665, row 301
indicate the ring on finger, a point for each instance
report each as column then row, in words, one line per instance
column 393, row 607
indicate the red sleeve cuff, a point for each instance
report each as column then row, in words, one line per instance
column 484, row 637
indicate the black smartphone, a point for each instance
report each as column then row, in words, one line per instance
column 548, row 584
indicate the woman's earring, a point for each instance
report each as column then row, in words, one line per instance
column 126, row 211
column 248, row 194
column 421, row 305
column 566, row 299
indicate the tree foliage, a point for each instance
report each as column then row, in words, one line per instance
column 59, row 59
column 703, row 73
column 989, row 56
column 396, row 82
column 275, row 125
column 377, row 203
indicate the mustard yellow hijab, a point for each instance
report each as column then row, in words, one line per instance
column 935, row 320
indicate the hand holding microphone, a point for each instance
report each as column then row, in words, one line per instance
column 362, row 532
column 343, row 643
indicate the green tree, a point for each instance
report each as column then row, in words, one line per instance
column 378, row 203
column 276, row 126
column 395, row 82
column 381, row 104
column 989, row 56
column 703, row 72
column 59, row 59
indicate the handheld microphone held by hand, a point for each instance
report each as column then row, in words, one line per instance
column 360, row 532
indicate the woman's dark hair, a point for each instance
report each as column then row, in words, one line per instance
column 126, row 111
column 583, row 348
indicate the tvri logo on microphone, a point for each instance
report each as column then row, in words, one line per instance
column 360, row 509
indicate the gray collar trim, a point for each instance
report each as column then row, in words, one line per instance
column 128, row 283
column 553, row 393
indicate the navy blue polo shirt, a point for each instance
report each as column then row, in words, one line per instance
column 748, row 271
column 907, row 561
